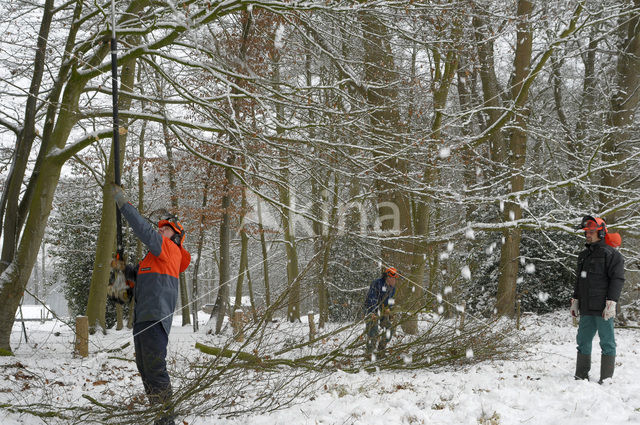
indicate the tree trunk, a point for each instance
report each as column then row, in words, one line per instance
column 293, row 284
column 175, row 207
column 324, row 237
column 445, row 70
column 141, row 208
column 222, row 301
column 252, row 300
column 490, row 87
column 12, row 221
column 394, row 208
column 620, row 119
column 15, row 277
column 510, row 253
column 96, row 305
column 200, row 244
column 244, row 245
column 284, row 191
column 265, row 257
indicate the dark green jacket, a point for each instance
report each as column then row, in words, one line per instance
column 599, row 277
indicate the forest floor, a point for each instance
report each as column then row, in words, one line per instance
column 537, row 387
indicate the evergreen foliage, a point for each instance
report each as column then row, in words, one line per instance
column 350, row 274
column 545, row 280
column 74, row 231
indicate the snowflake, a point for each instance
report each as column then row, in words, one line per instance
column 466, row 273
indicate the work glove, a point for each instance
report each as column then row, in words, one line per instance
column 609, row 310
column 575, row 312
column 118, row 195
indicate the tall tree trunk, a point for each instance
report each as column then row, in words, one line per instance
column 318, row 245
column 284, row 191
column 394, row 208
column 252, row 300
column 141, row 208
column 196, row 266
column 12, row 221
column 222, row 301
column 15, row 276
column 96, row 305
column 327, row 242
column 620, row 119
column 445, row 69
column 293, row 284
column 490, row 87
column 244, row 261
column 265, row 257
column 510, row 253
column 175, row 207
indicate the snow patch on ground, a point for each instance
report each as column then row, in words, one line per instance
column 536, row 388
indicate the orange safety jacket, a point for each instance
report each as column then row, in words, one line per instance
column 157, row 283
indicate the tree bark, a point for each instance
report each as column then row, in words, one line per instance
column 196, row 265
column 244, row 260
column 265, row 257
column 175, row 207
column 284, row 192
column 12, row 221
column 510, row 253
column 96, row 305
column 380, row 73
column 620, row 118
column 222, row 301
column 445, row 70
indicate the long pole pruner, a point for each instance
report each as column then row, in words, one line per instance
column 116, row 127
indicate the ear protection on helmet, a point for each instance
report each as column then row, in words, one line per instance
column 594, row 223
column 172, row 221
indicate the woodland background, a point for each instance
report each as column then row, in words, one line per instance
column 306, row 145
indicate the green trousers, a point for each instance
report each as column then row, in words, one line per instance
column 587, row 329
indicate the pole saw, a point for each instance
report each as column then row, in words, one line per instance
column 119, row 289
column 116, row 127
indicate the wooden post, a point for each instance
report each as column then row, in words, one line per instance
column 312, row 327
column 237, row 326
column 82, row 336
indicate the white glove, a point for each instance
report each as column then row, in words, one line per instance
column 609, row 311
column 575, row 312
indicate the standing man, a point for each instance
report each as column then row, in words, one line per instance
column 599, row 281
column 156, row 280
column 378, row 307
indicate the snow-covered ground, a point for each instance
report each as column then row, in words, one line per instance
column 536, row 388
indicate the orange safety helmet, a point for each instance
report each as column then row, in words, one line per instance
column 594, row 223
column 173, row 222
column 391, row 272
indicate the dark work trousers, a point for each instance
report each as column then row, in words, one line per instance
column 150, row 341
column 373, row 334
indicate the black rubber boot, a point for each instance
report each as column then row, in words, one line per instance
column 583, row 366
column 607, row 365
